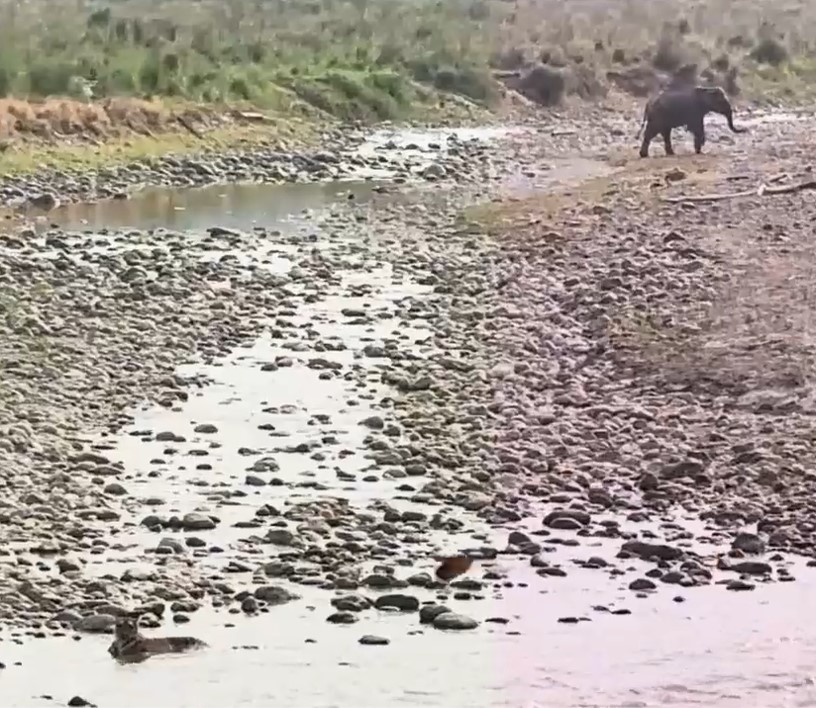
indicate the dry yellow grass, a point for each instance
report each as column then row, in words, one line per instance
column 59, row 117
column 63, row 133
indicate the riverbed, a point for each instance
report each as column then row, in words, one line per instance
column 304, row 415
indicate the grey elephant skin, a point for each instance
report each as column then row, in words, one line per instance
column 686, row 106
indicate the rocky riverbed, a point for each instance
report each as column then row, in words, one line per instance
column 602, row 395
column 343, row 153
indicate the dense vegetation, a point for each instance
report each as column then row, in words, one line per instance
column 377, row 58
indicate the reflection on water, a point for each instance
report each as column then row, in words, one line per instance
column 716, row 649
column 245, row 205
column 233, row 206
column 411, row 140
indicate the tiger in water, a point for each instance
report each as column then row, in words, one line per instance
column 129, row 644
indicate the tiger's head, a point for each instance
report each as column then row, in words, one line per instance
column 126, row 629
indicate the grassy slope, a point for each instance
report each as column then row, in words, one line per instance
column 307, row 61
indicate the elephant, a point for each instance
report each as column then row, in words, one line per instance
column 683, row 106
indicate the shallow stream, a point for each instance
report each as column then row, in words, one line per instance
column 706, row 647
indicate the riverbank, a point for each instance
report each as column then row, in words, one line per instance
column 108, row 88
column 386, row 376
column 330, row 154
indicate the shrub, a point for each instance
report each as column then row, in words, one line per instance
column 118, row 82
column 150, row 76
column 739, row 42
column 669, row 54
column 582, row 81
column 359, row 57
column 468, row 81
column 50, row 78
column 100, row 18
column 509, row 59
column 391, row 83
column 239, row 87
column 6, row 81
column 770, row 51
column 544, row 85
column 170, row 63
column 554, row 57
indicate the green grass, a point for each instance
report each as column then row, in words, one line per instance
column 350, row 58
column 382, row 59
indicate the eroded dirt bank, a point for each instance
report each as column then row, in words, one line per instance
column 601, row 394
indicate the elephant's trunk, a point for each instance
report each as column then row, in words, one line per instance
column 729, row 116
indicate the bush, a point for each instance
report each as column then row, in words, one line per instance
column 739, row 42
column 669, row 54
column 150, row 76
column 391, row 83
column 468, row 81
column 582, row 81
column 509, row 59
column 100, row 18
column 239, row 87
column 365, row 58
column 6, row 81
column 554, row 57
column 544, row 85
column 770, row 51
column 50, row 78
column 117, row 83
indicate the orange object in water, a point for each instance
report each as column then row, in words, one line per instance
column 453, row 566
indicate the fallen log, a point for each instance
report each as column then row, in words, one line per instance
column 189, row 127
column 759, row 191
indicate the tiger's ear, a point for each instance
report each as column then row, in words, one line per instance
column 127, row 618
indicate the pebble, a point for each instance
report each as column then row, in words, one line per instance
column 372, row 640
column 79, row 701
column 405, row 603
column 429, row 613
column 95, row 624
column 342, row 618
column 454, row 621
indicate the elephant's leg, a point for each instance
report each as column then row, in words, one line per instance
column 699, row 136
column 667, row 141
column 648, row 135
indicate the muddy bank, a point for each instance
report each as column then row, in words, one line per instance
column 343, row 153
column 401, row 383
column 393, row 153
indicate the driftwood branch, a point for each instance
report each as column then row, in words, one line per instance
column 189, row 127
column 761, row 190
